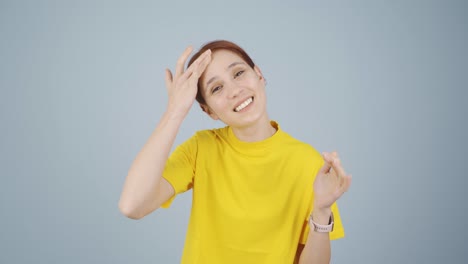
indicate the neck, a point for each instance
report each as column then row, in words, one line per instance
column 257, row 132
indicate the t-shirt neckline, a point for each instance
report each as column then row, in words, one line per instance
column 257, row 146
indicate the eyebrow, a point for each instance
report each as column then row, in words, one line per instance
column 227, row 68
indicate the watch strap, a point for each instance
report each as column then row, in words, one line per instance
column 322, row 228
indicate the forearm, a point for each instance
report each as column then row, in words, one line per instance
column 145, row 173
column 317, row 249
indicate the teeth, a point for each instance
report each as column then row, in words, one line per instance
column 244, row 104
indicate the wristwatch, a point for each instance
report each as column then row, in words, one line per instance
column 322, row 228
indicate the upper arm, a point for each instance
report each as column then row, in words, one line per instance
column 178, row 174
column 164, row 192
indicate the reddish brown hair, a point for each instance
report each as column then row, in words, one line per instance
column 219, row 45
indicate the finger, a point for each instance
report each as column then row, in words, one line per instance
column 349, row 179
column 340, row 190
column 327, row 157
column 181, row 61
column 346, row 183
column 198, row 71
column 205, row 55
column 198, row 66
column 336, row 164
column 333, row 156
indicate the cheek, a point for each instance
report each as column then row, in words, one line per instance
column 254, row 79
column 248, row 82
column 216, row 105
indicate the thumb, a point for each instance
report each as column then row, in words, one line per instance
column 168, row 79
column 326, row 165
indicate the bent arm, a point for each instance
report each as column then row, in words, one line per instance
column 329, row 185
column 145, row 190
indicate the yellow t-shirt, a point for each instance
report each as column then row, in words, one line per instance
column 251, row 200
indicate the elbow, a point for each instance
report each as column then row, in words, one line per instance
column 129, row 211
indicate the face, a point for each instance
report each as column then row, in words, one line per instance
column 233, row 91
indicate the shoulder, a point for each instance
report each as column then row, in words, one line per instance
column 300, row 146
column 201, row 140
column 211, row 136
column 211, row 133
column 301, row 151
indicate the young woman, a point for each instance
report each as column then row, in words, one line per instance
column 257, row 191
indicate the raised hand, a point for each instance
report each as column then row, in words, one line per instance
column 330, row 183
column 182, row 87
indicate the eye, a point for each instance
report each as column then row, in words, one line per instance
column 239, row 73
column 215, row 89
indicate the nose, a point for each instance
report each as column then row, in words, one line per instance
column 234, row 89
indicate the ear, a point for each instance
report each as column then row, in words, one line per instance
column 208, row 111
column 259, row 73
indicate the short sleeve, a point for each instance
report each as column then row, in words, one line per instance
column 180, row 168
column 338, row 230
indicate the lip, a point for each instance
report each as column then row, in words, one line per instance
column 240, row 102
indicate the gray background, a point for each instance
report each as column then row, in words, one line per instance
column 82, row 88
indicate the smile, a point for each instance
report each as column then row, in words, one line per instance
column 244, row 104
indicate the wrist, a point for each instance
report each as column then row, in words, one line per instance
column 175, row 114
column 321, row 216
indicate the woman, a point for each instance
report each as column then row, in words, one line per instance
column 257, row 191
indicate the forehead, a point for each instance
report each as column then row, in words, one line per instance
column 220, row 60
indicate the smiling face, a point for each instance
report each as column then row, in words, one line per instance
column 233, row 91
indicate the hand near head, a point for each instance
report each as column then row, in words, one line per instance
column 182, row 86
column 330, row 183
